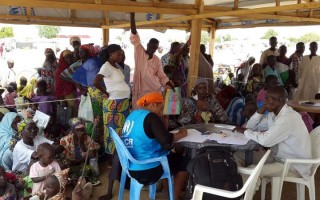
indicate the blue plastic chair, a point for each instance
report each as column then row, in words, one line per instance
column 125, row 160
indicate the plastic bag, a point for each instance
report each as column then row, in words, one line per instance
column 94, row 165
column 85, row 108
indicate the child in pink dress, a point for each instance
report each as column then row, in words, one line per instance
column 45, row 167
column 9, row 97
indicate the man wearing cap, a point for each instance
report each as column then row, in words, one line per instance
column 144, row 128
column 75, row 42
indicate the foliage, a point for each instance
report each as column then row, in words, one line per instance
column 270, row 33
column 205, row 37
column 6, row 32
column 48, row 31
column 310, row 37
column 226, row 38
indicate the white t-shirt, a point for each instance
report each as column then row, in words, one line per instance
column 114, row 81
column 22, row 152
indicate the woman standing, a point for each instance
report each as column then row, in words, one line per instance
column 117, row 93
column 65, row 89
column 48, row 69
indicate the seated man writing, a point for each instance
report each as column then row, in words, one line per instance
column 146, row 137
column 283, row 130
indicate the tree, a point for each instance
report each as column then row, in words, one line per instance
column 6, row 32
column 309, row 37
column 205, row 37
column 270, row 33
column 48, row 31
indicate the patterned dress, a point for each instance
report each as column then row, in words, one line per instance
column 47, row 73
column 115, row 112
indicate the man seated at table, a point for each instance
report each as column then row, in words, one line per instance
column 145, row 136
column 283, row 131
column 202, row 103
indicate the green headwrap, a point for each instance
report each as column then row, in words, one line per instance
column 22, row 124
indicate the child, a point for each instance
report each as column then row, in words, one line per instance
column 43, row 96
column 270, row 81
column 255, row 80
column 271, row 69
column 7, row 190
column 42, row 169
column 9, row 97
column 55, row 187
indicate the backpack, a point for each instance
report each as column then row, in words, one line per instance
column 214, row 167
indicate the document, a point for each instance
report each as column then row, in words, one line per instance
column 41, row 119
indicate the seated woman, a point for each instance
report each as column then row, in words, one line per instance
column 146, row 129
column 76, row 144
column 24, row 152
column 192, row 107
column 8, row 138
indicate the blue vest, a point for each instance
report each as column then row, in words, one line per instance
column 138, row 143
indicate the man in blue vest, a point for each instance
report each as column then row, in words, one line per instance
column 145, row 136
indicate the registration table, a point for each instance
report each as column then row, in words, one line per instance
column 208, row 128
column 311, row 106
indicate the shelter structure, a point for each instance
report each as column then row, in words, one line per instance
column 193, row 15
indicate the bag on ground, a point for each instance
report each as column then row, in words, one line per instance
column 214, row 167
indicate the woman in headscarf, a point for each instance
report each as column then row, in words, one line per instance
column 76, row 145
column 49, row 68
column 8, row 136
column 116, row 93
column 193, row 107
column 65, row 89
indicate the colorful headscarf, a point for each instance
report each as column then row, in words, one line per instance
column 23, row 123
column 90, row 48
column 66, row 52
column 74, row 122
column 62, row 177
column 74, row 38
column 152, row 97
column 48, row 51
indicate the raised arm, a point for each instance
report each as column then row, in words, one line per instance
column 133, row 23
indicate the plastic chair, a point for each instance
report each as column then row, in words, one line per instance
column 248, row 188
column 277, row 182
column 125, row 160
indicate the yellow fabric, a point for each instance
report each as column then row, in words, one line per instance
column 153, row 97
column 27, row 91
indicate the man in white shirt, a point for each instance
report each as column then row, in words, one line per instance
column 284, row 132
column 268, row 52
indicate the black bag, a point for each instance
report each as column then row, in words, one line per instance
column 63, row 114
column 214, row 167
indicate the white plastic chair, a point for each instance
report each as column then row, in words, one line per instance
column 248, row 187
column 277, row 182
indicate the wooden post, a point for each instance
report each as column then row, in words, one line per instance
column 212, row 38
column 105, row 32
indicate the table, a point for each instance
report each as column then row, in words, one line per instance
column 301, row 107
column 194, row 146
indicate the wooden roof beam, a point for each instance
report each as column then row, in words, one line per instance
column 130, row 6
column 230, row 13
column 267, row 25
column 236, row 5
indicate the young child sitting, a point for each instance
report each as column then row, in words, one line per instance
column 7, row 190
column 55, row 187
column 9, row 97
column 45, row 167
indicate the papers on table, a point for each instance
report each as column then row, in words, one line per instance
column 41, row 119
column 228, row 137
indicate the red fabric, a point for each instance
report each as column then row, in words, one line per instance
column 225, row 96
column 90, row 48
column 62, row 87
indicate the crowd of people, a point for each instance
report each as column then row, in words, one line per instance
column 38, row 163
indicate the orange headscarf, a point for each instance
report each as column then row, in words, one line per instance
column 152, row 97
